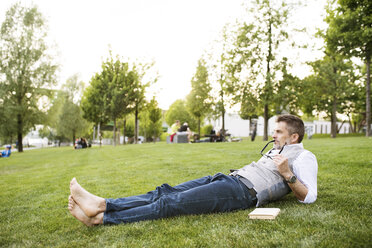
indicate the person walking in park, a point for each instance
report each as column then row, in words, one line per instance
column 284, row 168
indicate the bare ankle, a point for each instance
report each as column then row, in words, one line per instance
column 98, row 219
column 102, row 205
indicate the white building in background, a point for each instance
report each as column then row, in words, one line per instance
column 33, row 138
column 325, row 127
column 238, row 127
column 235, row 125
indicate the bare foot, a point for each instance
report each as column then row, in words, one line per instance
column 89, row 203
column 78, row 213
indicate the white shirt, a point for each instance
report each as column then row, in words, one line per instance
column 305, row 167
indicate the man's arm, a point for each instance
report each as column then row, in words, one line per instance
column 305, row 169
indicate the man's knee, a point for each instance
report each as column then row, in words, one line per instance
column 161, row 190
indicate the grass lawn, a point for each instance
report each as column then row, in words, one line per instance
column 35, row 187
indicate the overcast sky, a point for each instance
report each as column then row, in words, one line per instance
column 173, row 33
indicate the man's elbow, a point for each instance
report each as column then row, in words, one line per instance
column 309, row 198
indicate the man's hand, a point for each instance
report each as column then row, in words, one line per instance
column 298, row 188
column 281, row 163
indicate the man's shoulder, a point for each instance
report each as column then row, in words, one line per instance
column 306, row 155
column 307, row 152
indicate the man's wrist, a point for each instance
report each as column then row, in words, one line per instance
column 288, row 176
column 292, row 179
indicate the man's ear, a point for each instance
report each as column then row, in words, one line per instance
column 294, row 138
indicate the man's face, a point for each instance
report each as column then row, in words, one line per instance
column 281, row 135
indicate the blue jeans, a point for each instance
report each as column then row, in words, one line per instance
column 218, row 193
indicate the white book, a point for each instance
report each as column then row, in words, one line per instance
column 264, row 213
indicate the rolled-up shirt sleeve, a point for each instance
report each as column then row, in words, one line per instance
column 305, row 167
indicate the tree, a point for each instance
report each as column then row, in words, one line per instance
column 8, row 124
column 355, row 108
column 93, row 101
column 199, row 100
column 178, row 111
column 111, row 94
column 52, row 118
column 350, row 33
column 286, row 91
column 26, row 68
column 139, row 93
column 70, row 121
column 255, row 59
column 151, row 120
column 217, row 67
column 244, row 89
column 330, row 87
column 121, row 92
column 128, row 126
column 8, row 130
column 64, row 119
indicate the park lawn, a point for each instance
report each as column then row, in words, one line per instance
column 35, row 187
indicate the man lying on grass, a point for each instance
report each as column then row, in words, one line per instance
column 288, row 166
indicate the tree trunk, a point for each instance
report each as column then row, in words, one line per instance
column 73, row 139
column 223, row 109
column 124, row 126
column 114, row 132
column 136, row 127
column 339, row 128
column 118, row 138
column 360, row 126
column 254, row 132
column 19, row 133
column 199, row 126
column 334, row 118
column 368, row 97
column 351, row 129
column 144, row 135
column 223, row 120
column 99, row 134
column 266, row 122
column 268, row 84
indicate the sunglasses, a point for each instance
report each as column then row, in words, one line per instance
column 268, row 156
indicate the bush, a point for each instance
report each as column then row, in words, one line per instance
column 163, row 136
column 129, row 128
column 206, row 129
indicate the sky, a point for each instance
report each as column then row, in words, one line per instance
column 172, row 33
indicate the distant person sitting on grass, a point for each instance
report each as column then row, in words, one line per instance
column 81, row 143
column 6, row 153
column 185, row 128
column 174, row 128
column 286, row 167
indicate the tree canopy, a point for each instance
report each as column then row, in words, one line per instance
column 178, row 111
column 329, row 88
column 255, row 58
column 199, row 100
column 113, row 93
column 350, row 33
column 26, row 69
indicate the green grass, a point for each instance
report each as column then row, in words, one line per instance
column 35, row 186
